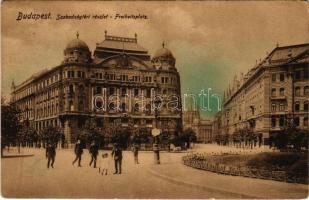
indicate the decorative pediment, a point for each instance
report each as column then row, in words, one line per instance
column 125, row 61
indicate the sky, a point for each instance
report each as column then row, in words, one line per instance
column 211, row 41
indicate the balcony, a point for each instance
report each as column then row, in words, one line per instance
column 283, row 97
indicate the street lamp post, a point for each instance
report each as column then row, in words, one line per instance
column 155, row 133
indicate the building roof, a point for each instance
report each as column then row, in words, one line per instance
column 281, row 55
column 163, row 52
column 77, row 44
column 121, row 43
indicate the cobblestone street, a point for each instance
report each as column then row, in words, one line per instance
column 29, row 177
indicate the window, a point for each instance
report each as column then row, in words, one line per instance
column 296, row 121
column 111, row 91
column 297, row 107
column 273, row 77
column 306, row 74
column 148, row 108
column 71, row 105
column 273, row 107
column 162, row 79
column 305, row 121
column 148, row 93
column 99, row 90
column 306, row 90
column 273, row 121
column 297, row 91
column 136, row 92
column 123, row 107
column 297, row 75
column 123, row 92
column 282, row 77
column 281, row 107
column 112, row 106
column 281, row 91
column 71, row 89
column 79, row 74
column 273, row 92
column 136, row 107
column 281, row 120
column 306, row 106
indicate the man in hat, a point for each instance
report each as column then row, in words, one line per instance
column 78, row 152
column 117, row 153
column 93, row 150
column 50, row 154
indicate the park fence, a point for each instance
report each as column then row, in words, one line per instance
column 201, row 161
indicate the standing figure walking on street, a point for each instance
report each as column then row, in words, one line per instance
column 78, row 152
column 135, row 153
column 50, row 154
column 93, row 150
column 117, row 153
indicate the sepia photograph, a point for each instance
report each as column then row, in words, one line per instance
column 154, row 99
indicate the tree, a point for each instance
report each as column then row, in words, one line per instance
column 9, row 124
column 51, row 134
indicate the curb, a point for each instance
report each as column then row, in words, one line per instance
column 212, row 189
column 17, row 156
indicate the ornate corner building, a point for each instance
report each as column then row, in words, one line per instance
column 119, row 85
column 272, row 94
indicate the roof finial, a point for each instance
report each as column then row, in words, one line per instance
column 105, row 32
column 277, row 45
column 77, row 34
column 163, row 44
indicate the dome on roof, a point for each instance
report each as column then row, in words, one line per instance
column 163, row 52
column 77, row 51
column 77, row 44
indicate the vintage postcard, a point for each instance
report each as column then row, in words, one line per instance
column 154, row 99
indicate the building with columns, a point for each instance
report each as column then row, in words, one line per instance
column 120, row 84
column 273, row 93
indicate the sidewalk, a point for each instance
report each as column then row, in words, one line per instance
column 230, row 185
column 14, row 153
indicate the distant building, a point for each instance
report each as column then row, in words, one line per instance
column 66, row 95
column 202, row 127
column 270, row 95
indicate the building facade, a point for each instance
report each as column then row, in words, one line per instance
column 270, row 95
column 118, row 85
column 201, row 126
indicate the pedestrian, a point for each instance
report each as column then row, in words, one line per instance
column 135, row 149
column 93, row 150
column 78, row 152
column 103, row 164
column 50, row 154
column 117, row 153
